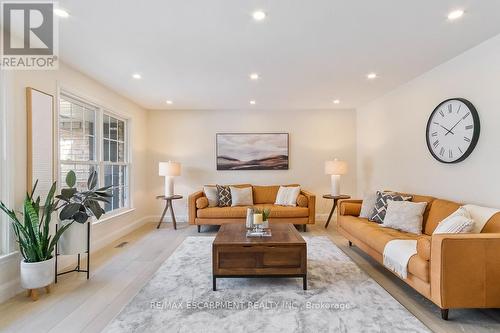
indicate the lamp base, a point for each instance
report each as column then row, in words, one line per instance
column 335, row 189
column 169, row 186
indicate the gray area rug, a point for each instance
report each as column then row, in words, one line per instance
column 341, row 298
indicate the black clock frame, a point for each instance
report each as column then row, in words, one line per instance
column 475, row 134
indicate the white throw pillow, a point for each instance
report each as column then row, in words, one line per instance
column 458, row 222
column 212, row 196
column 241, row 196
column 405, row 216
column 368, row 204
column 287, row 196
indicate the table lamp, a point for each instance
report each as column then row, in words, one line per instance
column 169, row 170
column 335, row 168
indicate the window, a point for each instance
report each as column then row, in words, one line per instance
column 115, row 166
column 91, row 138
column 77, row 139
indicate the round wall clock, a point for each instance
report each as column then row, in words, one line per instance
column 453, row 130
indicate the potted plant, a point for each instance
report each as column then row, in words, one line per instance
column 36, row 244
column 266, row 212
column 79, row 206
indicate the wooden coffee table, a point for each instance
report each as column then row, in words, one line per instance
column 284, row 254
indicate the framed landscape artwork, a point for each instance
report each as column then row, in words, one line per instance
column 252, row 151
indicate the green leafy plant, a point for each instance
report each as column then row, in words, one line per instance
column 266, row 212
column 33, row 232
column 35, row 242
column 80, row 206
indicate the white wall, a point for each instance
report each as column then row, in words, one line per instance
column 188, row 136
column 392, row 151
column 77, row 83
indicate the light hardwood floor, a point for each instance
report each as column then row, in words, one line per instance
column 118, row 273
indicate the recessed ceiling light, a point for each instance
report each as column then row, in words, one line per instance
column 455, row 14
column 371, row 76
column 61, row 12
column 169, row 102
column 259, row 15
column 336, row 101
column 254, row 76
column 137, row 76
column 253, row 102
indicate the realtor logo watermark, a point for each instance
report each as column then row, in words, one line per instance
column 29, row 36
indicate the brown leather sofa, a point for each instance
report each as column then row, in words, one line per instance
column 451, row 270
column 263, row 197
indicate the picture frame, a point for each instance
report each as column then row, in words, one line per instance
column 252, row 151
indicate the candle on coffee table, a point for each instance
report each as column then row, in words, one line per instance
column 257, row 218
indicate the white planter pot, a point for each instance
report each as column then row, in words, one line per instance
column 37, row 274
column 74, row 239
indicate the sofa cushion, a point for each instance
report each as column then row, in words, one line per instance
column 424, row 247
column 285, row 211
column 210, row 192
column 440, row 209
column 241, row 211
column 202, row 202
column 241, row 196
column 222, row 212
column 493, row 224
column 375, row 236
column 265, row 194
column 287, row 196
column 224, row 195
column 372, row 233
column 419, row 267
column 380, row 209
column 302, row 201
column 405, row 216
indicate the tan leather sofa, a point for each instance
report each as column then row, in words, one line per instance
column 263, row 197
column 451, row 270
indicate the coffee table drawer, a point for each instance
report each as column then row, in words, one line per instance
column 259, row 257
column 282, row 257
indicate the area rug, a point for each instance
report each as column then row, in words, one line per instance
column 340, row 298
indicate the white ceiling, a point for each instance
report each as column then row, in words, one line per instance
column 199, row 53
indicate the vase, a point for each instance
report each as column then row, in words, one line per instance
column 249, row 220
column 74, row 239
column 36, row 275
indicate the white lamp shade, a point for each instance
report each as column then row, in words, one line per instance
column 335, row 167
column 169, row 169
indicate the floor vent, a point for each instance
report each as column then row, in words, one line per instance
column 122, row 244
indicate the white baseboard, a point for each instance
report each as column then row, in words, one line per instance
column 102, row 242
column 168, row 218
column 10, row 289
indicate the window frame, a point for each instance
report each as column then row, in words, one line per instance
column 101, row 109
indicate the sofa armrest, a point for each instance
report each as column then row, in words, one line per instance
column 349, row 207
column 192, row 206
column 424, row 248
column 465, row 270
column 311, row 204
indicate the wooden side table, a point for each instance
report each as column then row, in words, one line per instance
column 335, row 199
column 168, row 203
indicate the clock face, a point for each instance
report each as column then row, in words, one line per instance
column 453, row 130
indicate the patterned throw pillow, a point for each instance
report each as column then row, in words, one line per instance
column 224, row 194
column 380, row 209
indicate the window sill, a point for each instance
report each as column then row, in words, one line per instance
column 114, row 215
column 8, row 256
